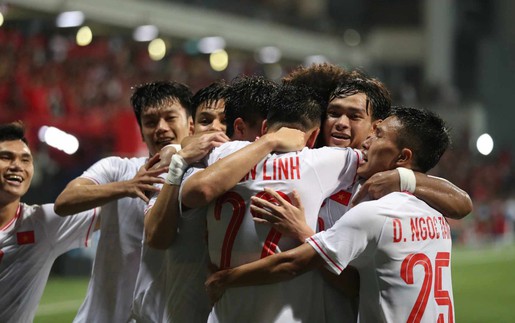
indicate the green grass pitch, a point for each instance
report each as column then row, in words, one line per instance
column 483, row 283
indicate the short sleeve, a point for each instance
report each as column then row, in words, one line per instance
column 107, row 170
column 353, row 236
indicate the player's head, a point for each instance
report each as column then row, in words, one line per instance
column 296, row 107
column 163, row 111
column 248, row 99
column 16, row 164
column 354, row 106
column 209, row 108
column 322, row 78
column 408, row 137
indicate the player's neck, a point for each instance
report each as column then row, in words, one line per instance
column 8, row 211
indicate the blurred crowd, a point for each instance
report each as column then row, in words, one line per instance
column 46, row 79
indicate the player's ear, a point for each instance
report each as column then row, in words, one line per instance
column 405, row 158
column 191, row 126
column 239, row 128
column 264, row 127
column 312, row 137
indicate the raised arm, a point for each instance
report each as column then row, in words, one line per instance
column 441, row 194
column 83, row 194
column 218, row 178
column 162, row 219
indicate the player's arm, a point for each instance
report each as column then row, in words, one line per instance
column 162, row 219
column 441, row 194
column 289, row 219
column 83, row 194
column 205, row 186
column 279, row 267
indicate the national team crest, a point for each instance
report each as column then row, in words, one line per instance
column 26, row 237
column 342, row 197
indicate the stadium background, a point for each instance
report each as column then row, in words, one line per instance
column 456, row 57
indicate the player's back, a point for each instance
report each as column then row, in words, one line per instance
column 234, row 238
column 410, row 278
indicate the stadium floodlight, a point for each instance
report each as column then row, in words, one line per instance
column 219, row 60
column 269, row 55
column 84, row 36
column 1, row 19
column 145, row 33
column 70, row 19
column 58, row 139
column 485, row 144
column 157, row 49
column 208, row 45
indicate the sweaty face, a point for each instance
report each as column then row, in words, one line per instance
column 210, row 116
column 16, row 169
column 380, row 149
column 164, row 124
column 347, row 122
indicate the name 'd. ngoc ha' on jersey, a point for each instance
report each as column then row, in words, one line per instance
column 273, row 169
column 421, row 229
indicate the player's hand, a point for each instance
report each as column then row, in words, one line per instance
column 145, row 179
column 215, row 285
column 288, row 139
column 165, row 157
column 378, row 185
column 285, row 217
column 199, row 146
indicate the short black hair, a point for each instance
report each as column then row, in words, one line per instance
column 13, row 131
column 424, row 132
column 295, row 106
column 378, row 96
column 248, row 97
column 322, row 78
column 209, row 94
column 156, row 93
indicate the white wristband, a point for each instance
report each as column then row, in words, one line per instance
column 176, row 146
column 176, row 169
column 408, row 181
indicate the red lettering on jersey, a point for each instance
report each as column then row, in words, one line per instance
column 431, row 228
column 423, row 228
column 265, row 176
column 342, row 197
column 397, row 230
column 283, row 168
column 295, row 166
column 415, row 229
column 26, row 237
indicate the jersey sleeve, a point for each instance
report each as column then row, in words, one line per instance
column 353, row 236
column 70, row 232
column 106, row 170
column 224, row 150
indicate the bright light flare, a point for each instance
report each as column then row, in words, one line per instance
column 59, row 139
column 157, row 49
column 70, row 19
column 84, row 36
column 485, row 144
column 219, row 60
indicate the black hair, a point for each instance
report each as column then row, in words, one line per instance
column 13, row 131
column 248, row 97
column 424, row 132
column 154, row 94
column 322, row 78
column 209, row 94
column 295, row 106
column 378, row 96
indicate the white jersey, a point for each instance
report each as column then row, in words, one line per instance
column 29, row 245
column 340, row 308
column 115, row 268
column 402, row 249
column 170, row 285
column 234, row 238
